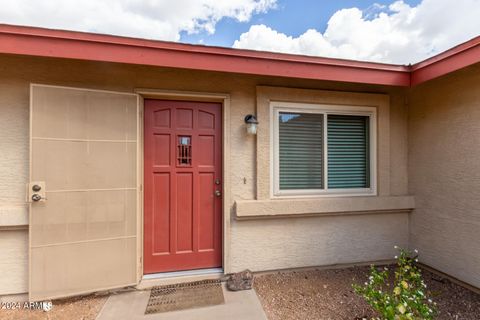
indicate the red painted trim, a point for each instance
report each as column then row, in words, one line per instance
column 86, row 46
column 456, row 58
column 42, row 42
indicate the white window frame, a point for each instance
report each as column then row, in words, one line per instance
column 277, row 107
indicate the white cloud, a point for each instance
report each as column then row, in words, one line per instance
column 154, row 19
column 397, row 34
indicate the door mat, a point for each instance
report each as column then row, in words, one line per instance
column 185, row 296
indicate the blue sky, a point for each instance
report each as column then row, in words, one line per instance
column 290, row 17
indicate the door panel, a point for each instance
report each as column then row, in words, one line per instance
column 84, row 147
column 183, row 159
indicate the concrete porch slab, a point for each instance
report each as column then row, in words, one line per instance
column 241, row 305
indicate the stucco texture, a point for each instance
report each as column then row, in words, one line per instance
column 444, row 173
column 311, row 241
column 13, row 176
column 14, row 261
column 260, row 244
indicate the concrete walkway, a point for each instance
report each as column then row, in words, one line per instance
column 241, row 305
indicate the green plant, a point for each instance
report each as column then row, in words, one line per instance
column 407, row 300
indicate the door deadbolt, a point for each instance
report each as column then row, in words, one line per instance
column 217, row 181
column 36, row 191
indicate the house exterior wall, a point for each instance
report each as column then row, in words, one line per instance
column 13, row 176
column 444, row 173
column 258, row 244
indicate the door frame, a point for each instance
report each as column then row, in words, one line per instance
column 222, row 98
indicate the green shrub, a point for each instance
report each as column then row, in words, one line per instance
column 408, row 298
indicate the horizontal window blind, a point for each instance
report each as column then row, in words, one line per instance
column 348, row 151
column 300, row 151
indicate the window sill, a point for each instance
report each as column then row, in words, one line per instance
column 344, row 193
column 259, row 209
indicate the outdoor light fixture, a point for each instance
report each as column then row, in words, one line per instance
column 252, row 123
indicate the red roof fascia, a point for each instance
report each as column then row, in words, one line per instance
column 456, row 58
column 86, row 46
column 42, row 42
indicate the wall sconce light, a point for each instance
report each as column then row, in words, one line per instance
column 252, row 123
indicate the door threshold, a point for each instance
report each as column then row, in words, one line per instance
column 182, row 273
column 166, row 278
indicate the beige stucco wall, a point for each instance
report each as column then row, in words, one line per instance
column 13, row 175
column 14, row 261
column 258, row 244
column 444, row 173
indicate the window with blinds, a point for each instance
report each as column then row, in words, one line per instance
column 322, row 151
column 301, row 151
column 348, row 152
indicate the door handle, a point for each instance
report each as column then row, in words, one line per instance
column 218, row 193
column 36, row 191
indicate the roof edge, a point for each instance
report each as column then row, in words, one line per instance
column 458, row 57
column 42, row 42
column 178, row 46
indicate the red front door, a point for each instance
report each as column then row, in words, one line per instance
column 183, row 185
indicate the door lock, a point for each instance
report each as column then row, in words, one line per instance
column 218, row 193
column 36, row 191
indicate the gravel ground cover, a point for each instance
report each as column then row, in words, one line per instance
column 291, row 295
column 328, row 294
